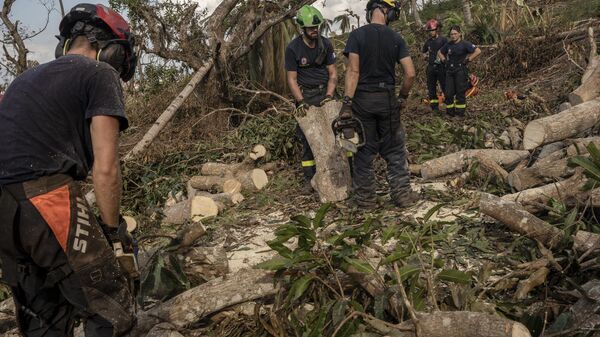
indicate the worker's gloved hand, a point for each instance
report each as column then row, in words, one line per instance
column 402, row 100
column 327, row 98
column 301, row 108
column 120, row 234
column 346, row 110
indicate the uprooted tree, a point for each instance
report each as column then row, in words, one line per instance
column 210, row 45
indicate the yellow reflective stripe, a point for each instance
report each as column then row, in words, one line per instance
column 349, row 154
column 460, row 106
column 308, row 163
column 434, row 101
column 450, row 106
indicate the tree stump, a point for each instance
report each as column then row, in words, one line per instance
column 332, row 180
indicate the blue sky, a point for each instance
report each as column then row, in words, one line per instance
column 32, row 14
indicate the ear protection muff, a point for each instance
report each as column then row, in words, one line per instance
column 369, row 15
column 114, row 54
column 393, row 14
column 62, row 47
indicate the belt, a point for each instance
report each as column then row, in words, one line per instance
column 39, row 186
column 381, row 86
column 313, row 89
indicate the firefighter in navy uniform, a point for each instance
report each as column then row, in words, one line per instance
column 373, row 51
column 435, row 69
column 311, row 76
column 456, row 54
column 58, row 121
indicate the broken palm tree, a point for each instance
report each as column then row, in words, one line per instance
column 332, row 180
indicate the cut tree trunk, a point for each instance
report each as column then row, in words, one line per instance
column 228, row 199
column 563, row 125
column 590, row 81
column 457, row 161
column 534, row 199
column 541, row 172
column 178, row 213
column 208, row 183
column 194, row 304
column 332, row 180
column 519, row 220
column 203, row 207
column 253, row 180
column 578, row 145
column 223, row 170
column 202, row 264
column 453, row 324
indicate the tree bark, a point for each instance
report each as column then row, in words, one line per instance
column 565, row 190
column 563, row 125
column 454, row 324
column 466, row 5
column 415, row 11
column 578, row 145
column 541, row 172
column 332, row 180
column 202, row 264
column 590, row 81
column 519, row 220
column 455, row 162
column 253, row 180
column 199, row 302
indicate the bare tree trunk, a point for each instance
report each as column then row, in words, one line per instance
column 168, row 114
column 415, row 10
column 15, row 39
column 466, row 4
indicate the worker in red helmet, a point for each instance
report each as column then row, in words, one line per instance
column 59, row 121
column 436, row 72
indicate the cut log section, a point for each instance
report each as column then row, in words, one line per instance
column 203, row 207
column 578, row 145
column 178, row 213
column 453, row 324
column 519, row 220
column 590, row 81
column 229, row 170
column 563, row 125
column 258, row 151
column 202, row 264
column 232, row 186
column 193, row 305
column 544, row 171
column 208, row 183
column 228, row 199
column 534, row 199
column 457, row 161
column 253, row 180
column 332, row 180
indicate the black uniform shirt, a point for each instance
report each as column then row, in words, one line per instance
column 301, row 58
column 456, row 53
column 432, row 46
column 45, row 118
column 379, row 49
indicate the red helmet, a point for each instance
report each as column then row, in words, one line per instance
column 106, row 27
column 432, row 24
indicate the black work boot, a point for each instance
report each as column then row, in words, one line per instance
column 451, row 112
column 434, row 106
column 459, row 112
column 407, row 199
column 306, row 188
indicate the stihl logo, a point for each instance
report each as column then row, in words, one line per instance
column 83, row 225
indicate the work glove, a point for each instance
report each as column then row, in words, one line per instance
column 402, row 100
column 120, row 234
column 346, row 110
column 301, row 108
column 327, row 98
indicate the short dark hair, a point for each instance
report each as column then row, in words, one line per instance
column 456, row 28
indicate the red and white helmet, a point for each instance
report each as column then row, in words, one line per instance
column 432, row 24
column 101, row 24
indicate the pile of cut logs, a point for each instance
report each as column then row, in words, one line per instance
column 219, row 186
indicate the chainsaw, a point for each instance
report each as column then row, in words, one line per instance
column 349, row 133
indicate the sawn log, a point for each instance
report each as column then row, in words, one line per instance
column 457, row 161
column 332, row 180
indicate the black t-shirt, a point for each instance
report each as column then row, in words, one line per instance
column 45, row 118
column 457, row 52
column 379, row 49
column 301, row 58
column 432, row 46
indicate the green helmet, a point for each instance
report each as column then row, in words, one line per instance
column 308, row 16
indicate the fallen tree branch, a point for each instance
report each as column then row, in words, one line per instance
column 455, row 162
column 194, row 304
